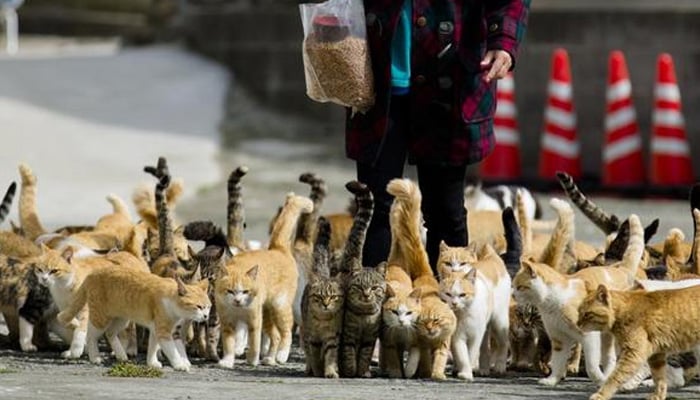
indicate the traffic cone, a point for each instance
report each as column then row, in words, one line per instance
column 623, row 163
column 560, row 147
column 670, row 153
column 503, row 164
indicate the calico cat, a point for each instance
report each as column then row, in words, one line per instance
column 257, row 288
column 480, row 298
column 322, row 310
column 364, row 292
column 116, row 296
column 23, row 302
column 647, row 327
column 436, row 323
column 558, row 296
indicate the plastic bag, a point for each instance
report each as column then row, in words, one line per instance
column 337, row 64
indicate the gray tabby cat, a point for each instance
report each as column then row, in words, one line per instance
column 7, row 201
column 364, row 293
column 322, row 310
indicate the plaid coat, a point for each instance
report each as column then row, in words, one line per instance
column 452, row 109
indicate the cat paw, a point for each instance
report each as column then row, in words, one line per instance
column 438, row 376
column 656, row 397
column 282, row 356
column 253, row 362
column 71, row 355
column 226, row 363
column 96, row 360
column 122, row 357
column 155, row 364
column 28, row 347
column 596, row 396
column 465, row 376
column 331, row 374
column 268, row 360
column 182, row 367
column 549, row 381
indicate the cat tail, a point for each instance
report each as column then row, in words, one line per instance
column 321, row 254
column 308, row 221
column 563, row 234
column 524, row 220
column 28, row 215
column 607, row 223
column 694, row 259
column 352, row 254
column 284, row 229
column 235, row 212
column 7, row 201
column 694, row 204
column 635, row 249
column 165, row 226
column 118, row 206
column 514, row 243
column 67, row 316
column 407, row 249
column 142, row 197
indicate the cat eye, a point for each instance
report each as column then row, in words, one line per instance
column 246, row 291
column 231, row 292
column 409, row 312
column 462, row 295
column 395, row 312
column 53, row 271
column 448, row 294
column 200, row 307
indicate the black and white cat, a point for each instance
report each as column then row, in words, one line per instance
column 497, row 198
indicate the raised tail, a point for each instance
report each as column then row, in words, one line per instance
column 28, row 215
column 285, row 225
column 607, row 223
column 321, row 255
column 635, row 248
column 562, row 235
column 514, row 243
column 694, row 256
column 407, row 249
column 235, row 212
column 352, row 254
column 694, row 204
column 307, row 222
column 7, row 201
column 165, row 226
column 525, row 223
column 118, row 205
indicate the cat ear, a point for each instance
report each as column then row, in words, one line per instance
column 181, row 288
column 253, row 272
column 473, row 247
column 527, row 268
column 44, row 248
column 196, row 274
column 471, row 275
column 390, row 291
column 204, row 284
column 416, row 293
column 67, row 254
column 443, row 246
column 381, row 268
column 602, row 294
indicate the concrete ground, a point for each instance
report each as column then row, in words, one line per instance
column 88, row 115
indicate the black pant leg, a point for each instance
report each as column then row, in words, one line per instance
column 443, row 209
column 389, row 165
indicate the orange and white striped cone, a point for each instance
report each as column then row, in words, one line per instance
column 560, row 146
column 503, row 164
column 670, row 153
column 623, row 163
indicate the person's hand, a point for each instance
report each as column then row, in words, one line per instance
column 500, row 63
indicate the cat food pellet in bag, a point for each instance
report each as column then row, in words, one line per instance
column 339, row 71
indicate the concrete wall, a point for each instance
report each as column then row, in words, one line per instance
column 260, row 41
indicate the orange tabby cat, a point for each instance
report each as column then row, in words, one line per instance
column 257, row 288
column 116, row 296
column 436, row 322
column 647, row 326
column 558, row 296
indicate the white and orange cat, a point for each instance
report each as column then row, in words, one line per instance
column 257, row 288
column 63, row 274
column 557, row 297
column 480, row 298
column 435, row 323
column 115, row 296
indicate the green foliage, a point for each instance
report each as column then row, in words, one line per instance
column 131, row 370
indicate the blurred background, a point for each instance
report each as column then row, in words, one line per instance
column 96, row 89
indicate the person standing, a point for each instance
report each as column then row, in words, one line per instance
column 435, row 66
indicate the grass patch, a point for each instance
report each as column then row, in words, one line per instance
column 131, row 370
column 5, row 370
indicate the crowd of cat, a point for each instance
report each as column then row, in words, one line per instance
column 524, row 294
